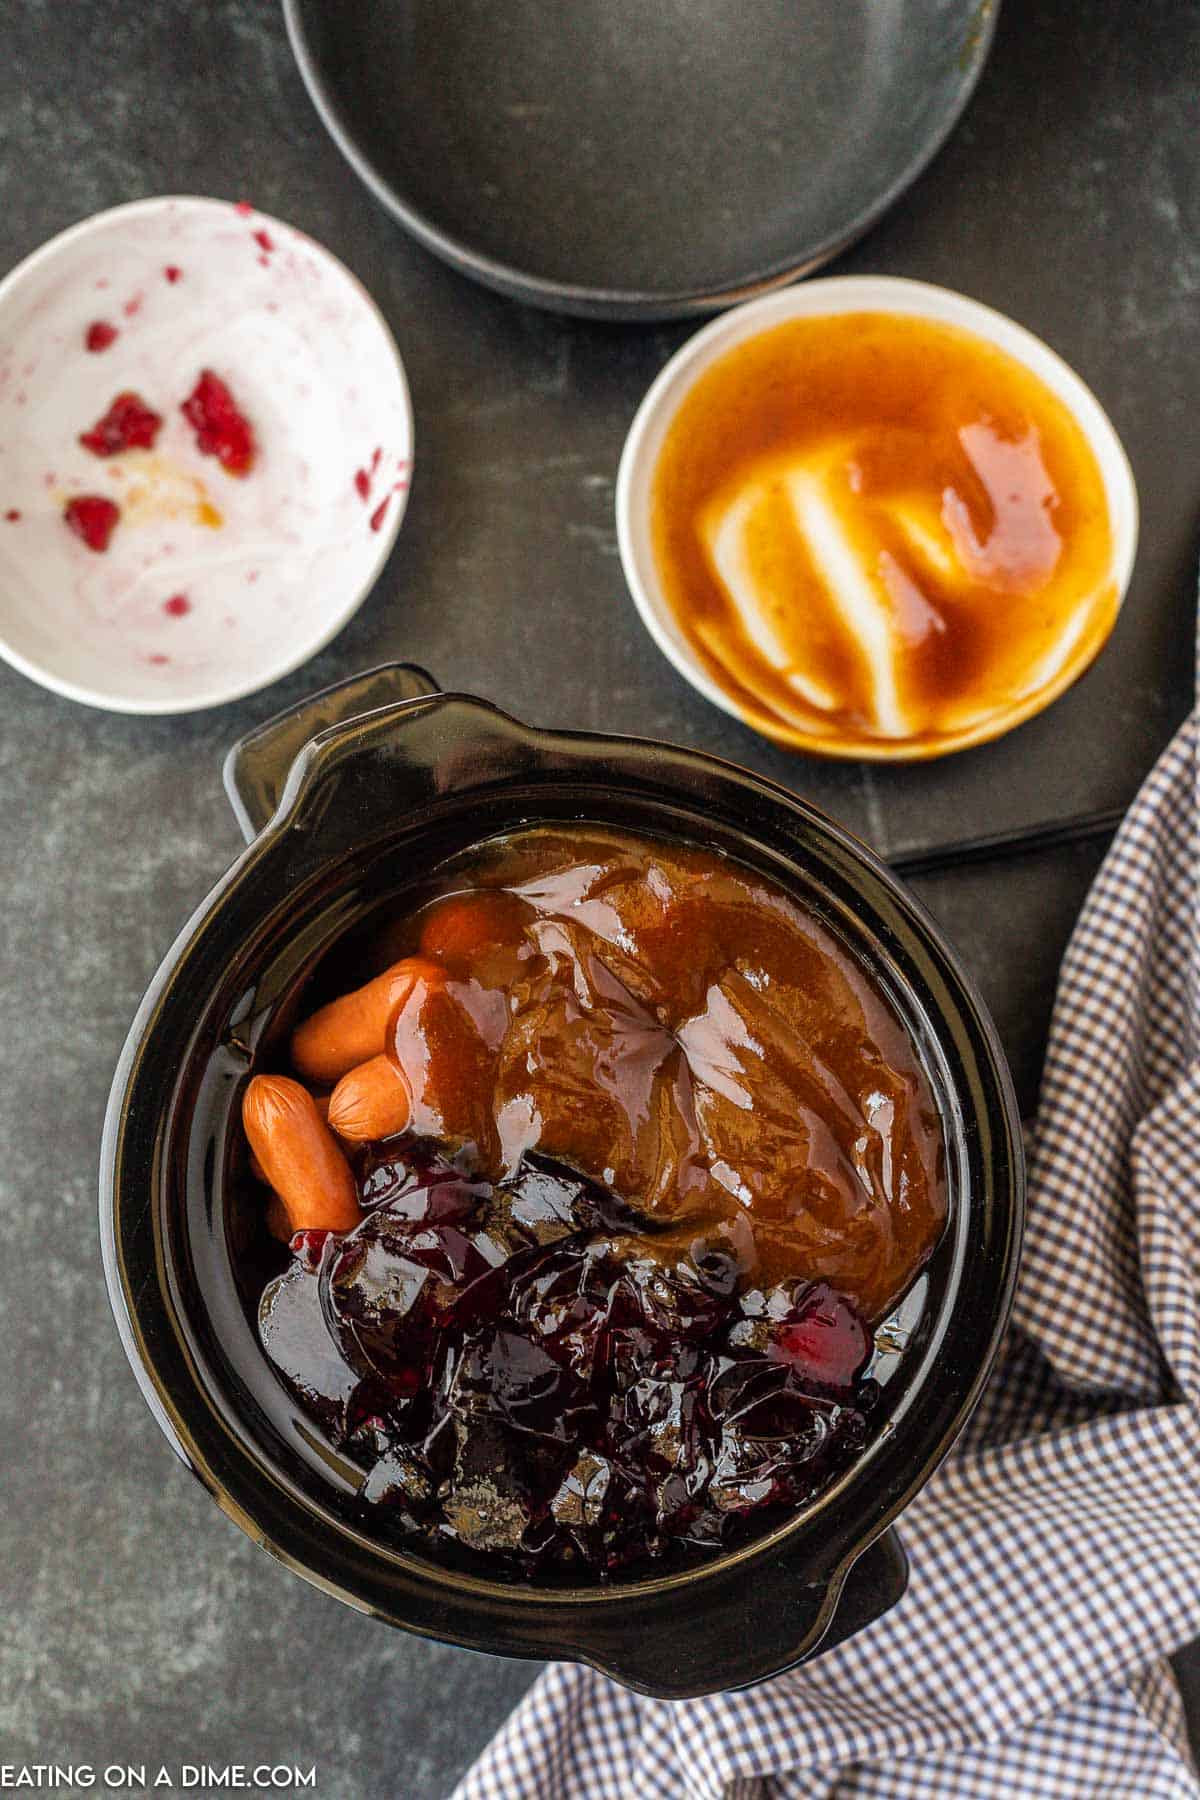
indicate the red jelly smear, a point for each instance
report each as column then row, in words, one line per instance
column 519, row 1381
column 307, row 1247
column 129, row 424
column 263, row 240
column 99, row 335
column 172, row 273
column 12, row 515
column 364, row 477
column 380, row 513
column 222, row 429
column 177, row 606
column 93, row 518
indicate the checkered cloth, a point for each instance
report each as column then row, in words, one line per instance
column 1056, row 1553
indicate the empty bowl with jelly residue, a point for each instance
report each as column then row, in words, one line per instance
column 206, row 445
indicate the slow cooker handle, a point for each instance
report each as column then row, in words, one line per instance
column 257, row 766
column 877, row 1580
column 736, row 1630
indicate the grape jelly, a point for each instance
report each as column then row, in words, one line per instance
column 529, row 1373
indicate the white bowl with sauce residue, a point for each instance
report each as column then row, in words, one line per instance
column 874, row 519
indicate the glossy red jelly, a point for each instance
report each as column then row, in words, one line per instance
column 92, row 517
column 518, row 1381
column 222, row 429
column 129, row 424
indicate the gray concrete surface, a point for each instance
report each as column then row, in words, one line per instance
column 138, row 1624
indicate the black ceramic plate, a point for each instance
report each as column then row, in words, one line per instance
column 639, row 158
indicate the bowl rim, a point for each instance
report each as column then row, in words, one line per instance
column 590, row 300
column 219, row 693
column 514, row 1618
column 902, row 297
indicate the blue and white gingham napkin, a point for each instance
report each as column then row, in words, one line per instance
column 1056, row 1553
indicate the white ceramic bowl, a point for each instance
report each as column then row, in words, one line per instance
column 311, row 361
column 816, row 299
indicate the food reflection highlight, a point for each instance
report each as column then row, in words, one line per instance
column 882, row 535
column 623, row 1158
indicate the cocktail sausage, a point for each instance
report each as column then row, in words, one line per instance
column 353, row 1029
column 371, row 1101
column 299, row 1155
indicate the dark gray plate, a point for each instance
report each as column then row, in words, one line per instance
column 639, row 158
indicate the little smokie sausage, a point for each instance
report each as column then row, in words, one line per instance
column 299, row 1155
column 371, row 1101
column 353, row 1029
column 321, row 1102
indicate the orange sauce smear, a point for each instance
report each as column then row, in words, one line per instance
column 881, row 536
